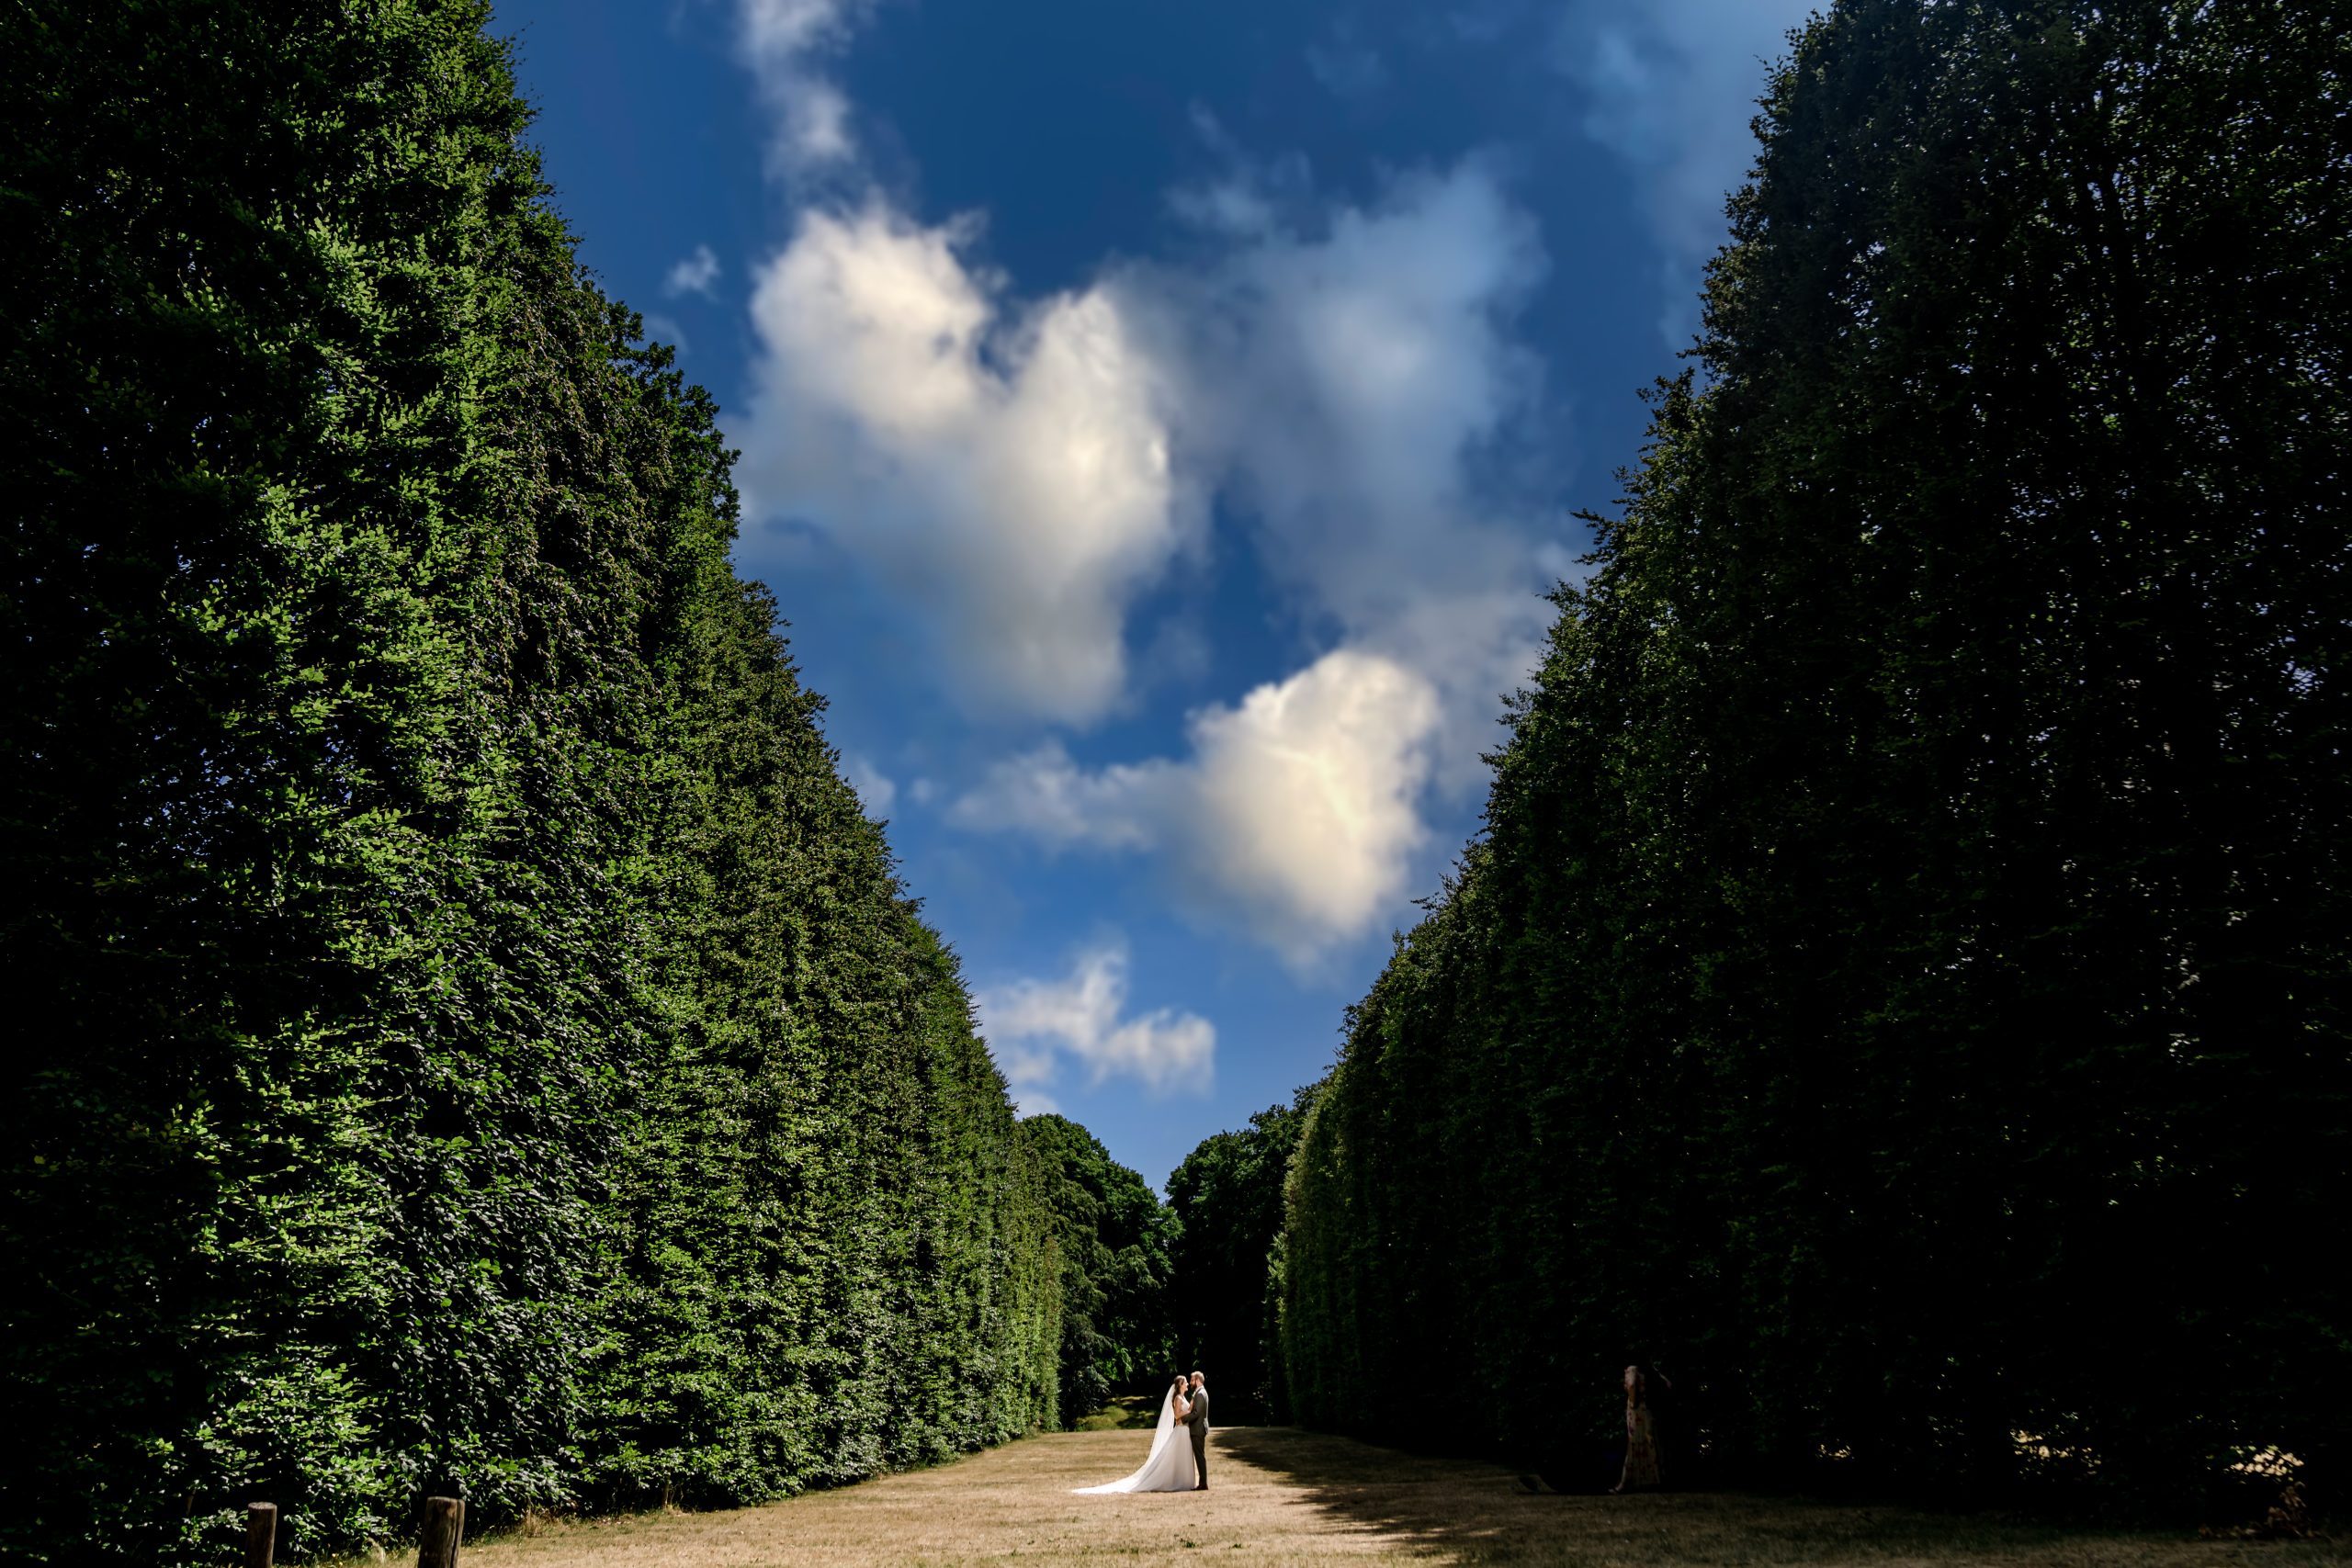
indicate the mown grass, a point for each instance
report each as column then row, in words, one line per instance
column 1283, row 1497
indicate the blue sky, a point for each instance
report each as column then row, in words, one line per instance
column 1159, row 422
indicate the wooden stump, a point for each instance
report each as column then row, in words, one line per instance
column 444, row 1524
column 261, row 1534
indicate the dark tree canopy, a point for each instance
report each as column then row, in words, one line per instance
column 1902, row 984
column 477, row 1040
column 1113, row 1232
column 1228, row 1199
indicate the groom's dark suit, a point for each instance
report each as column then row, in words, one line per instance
column 1199, row 1422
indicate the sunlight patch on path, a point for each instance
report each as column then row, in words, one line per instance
column 1008, row 1504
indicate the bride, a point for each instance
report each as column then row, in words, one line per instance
column 1169, row 1466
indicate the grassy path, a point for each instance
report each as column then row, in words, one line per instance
column 1283, row 1497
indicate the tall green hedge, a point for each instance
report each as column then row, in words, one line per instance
column 1903, row 985
column 471, row 1038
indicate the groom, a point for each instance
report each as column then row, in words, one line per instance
column 1198, row 1397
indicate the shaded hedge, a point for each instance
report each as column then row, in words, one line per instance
column 477, row 1041
column 1903, row 983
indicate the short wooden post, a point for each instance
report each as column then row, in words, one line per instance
column 261, row 1534
column 444, row 1524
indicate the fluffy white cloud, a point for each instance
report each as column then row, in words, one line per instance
column 1298, row 807
column 1018, row 474
column 1045, row 795
column 1350, row 376
column 1009, row 473
column 693, row 275
column 1306, row 796
column 1347, row 371
column 1672, row 89
column 1032, row 1025
column 787, row 43
column 1347, row 375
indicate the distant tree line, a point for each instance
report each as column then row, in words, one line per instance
column 1113, row 1234
column 470, row 1037
column 1902, row 984
column 1227, row 1201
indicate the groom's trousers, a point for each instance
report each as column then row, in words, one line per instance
column 1201, row 1455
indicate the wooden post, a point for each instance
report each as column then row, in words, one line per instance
column 261, row 1534
column 444, row 1524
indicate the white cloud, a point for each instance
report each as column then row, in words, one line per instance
column 693, row 275
column 1048, row 796
column 1306, row 793
column 1298, row 807
column 874, row 790
column 1019, row 473
column 1347, row 377
column 1031, row 1100
column 1032, row 1025
column 660, row 328
column 1349, row 374
column 1010, row 473
column 1672, row 89
column 787, row 43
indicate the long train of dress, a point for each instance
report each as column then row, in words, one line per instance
column 1169, row 1466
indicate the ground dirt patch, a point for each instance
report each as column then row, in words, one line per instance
column 1285, row 1496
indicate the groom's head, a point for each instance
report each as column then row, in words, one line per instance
column 1198, row 1380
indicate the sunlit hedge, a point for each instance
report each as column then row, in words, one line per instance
column 472, row 1039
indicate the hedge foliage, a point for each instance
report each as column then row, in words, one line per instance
column 1902, row 986
column 474, row 1039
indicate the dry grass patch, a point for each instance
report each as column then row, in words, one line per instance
column 1283, row 1497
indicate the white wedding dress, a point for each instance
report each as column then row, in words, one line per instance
column 1169, row 1467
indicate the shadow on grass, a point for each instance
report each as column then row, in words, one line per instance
column 1464, row 1510
column 1450, row 1506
